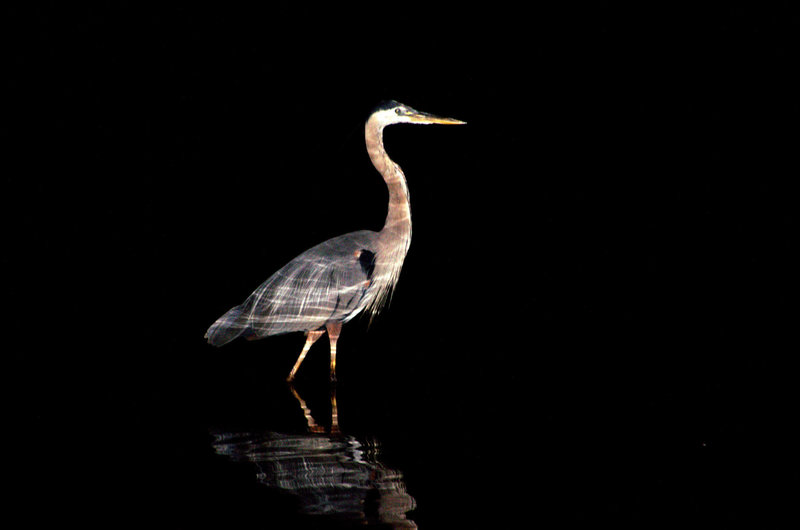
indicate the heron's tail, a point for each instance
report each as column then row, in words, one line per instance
column 228, row 327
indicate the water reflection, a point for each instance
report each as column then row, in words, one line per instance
column 332, row 475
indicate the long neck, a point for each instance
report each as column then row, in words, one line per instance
column 398, row 217
column 395, row 237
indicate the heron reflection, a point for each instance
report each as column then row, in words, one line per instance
column 332, row 475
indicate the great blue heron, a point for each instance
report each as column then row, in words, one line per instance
column 334, row 281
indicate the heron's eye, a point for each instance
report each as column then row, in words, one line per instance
column 398, row 111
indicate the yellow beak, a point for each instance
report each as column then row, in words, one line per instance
column 422, row 117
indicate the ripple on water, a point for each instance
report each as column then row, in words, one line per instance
column 331, row 475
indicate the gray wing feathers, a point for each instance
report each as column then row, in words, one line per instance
column 229, row 326
column 325, row 283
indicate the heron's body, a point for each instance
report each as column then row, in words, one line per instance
column 327, row 283
column 331, row 283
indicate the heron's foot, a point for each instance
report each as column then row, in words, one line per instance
column 333, row 377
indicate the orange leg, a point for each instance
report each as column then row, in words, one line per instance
column 334, row 328
column 310, row 339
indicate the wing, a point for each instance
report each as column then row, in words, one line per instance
column 328, row 282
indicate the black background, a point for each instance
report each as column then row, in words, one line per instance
column 594, row 322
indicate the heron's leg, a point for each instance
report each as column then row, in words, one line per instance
column 310, row 339
column 334, row 328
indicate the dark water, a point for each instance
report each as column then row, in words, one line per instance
column 429, row 439
column 332, row 476
column 595, row 323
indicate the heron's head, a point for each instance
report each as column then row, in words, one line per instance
column 391, row 112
